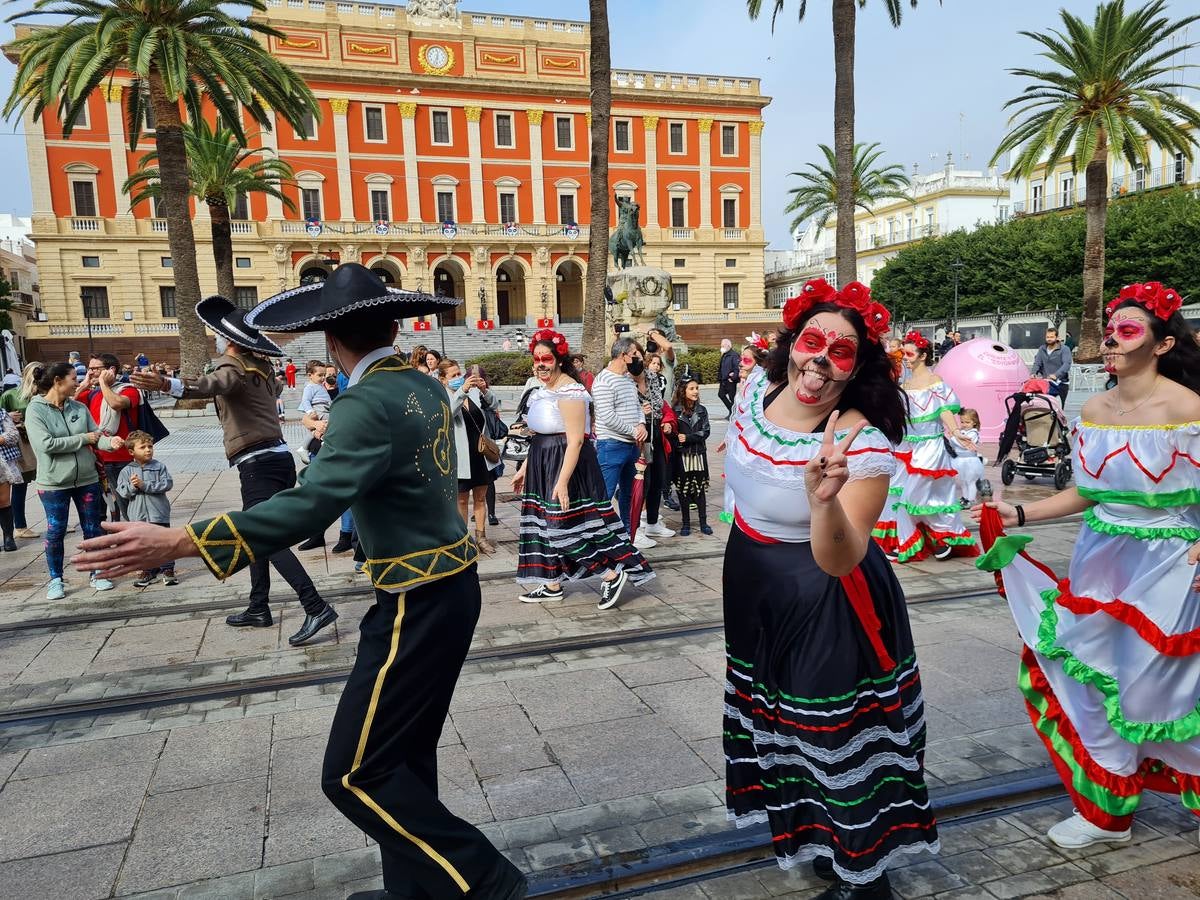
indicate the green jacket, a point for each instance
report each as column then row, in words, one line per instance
column 389, row 456
column 59, row 440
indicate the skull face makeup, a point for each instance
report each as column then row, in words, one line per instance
column 823, row 358
column 1127, row 338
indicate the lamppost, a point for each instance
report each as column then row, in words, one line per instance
column 998, row 321
column 957, row 266
column 87, row 314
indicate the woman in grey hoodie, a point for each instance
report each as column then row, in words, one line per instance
column 62, row 433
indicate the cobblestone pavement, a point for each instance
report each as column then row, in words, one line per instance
column 561, row 758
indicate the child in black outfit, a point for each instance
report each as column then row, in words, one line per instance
column 691, row 463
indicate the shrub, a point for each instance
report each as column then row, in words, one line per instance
column 704, row 360
column 512, row 368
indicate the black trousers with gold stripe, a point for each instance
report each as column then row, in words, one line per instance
column 381, row 762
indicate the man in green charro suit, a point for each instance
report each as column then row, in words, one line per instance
column 389, row 456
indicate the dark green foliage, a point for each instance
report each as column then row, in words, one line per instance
column 704, row 360
column 512, row 368
column 1035, row 262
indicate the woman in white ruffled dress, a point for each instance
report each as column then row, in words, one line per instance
column 1110, row 670
column 923, row 516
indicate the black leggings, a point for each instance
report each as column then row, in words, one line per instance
column 685, row 510
column 656, row 480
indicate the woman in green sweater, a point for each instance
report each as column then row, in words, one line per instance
column 62, row 433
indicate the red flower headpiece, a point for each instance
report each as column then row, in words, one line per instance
column 754, row 339
column 917, row 339
column 1160, row 301
column 554, row 339
column 855, row 296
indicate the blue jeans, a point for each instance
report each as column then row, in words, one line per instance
column 347, row 522
column 617, row 460
column 89, row 503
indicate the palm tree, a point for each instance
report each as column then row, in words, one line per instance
column 816, row 197
column 1109, row 93
column 173, row 50
column 845, row 13
column 220, row 170
column 595, row 335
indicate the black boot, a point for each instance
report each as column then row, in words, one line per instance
column 6, row 527
column 313, row 624
column 313, row 543
column 343, row 543
column 823, row 868
column 253, row 617
column 879, row 889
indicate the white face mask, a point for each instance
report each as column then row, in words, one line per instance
column 222, row 345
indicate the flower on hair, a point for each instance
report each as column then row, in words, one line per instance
column 818, row 290
column 917, row 339
column 556, row 341
column 1153, row 296
column 855, row 296
column 757, row 340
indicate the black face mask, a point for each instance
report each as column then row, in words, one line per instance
column 636, row 366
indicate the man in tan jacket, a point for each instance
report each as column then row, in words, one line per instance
column 243, row 388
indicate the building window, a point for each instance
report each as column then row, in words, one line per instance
column 166, row 300
column 380, row 211
column 242, row 262
column 729, row 140
column 445, row 206
column 622, row 136
column 440, row 125
column 566, row 209
column 246, row 298
column 310, row 203
column 675, row 138
column 81, row 118
column 241, row 207
column 1068, row 191
column 373, row 123
column 504, row 130
column 83, row 194
column 95, row 302
column 1139, row 178
column 166, row 262
column 729, row 294
column 1003, row 212
column 1037, row 198
column 729, row 212
column 564, row 132
column 730, row 262
column 306, row 128
column 1180, row 168
column 158, row 207
column 679, row 212
column 680, row 262
column 147, row 114
column 679, row 296
column 508, row 206
column 91, row 262
column 929, row 221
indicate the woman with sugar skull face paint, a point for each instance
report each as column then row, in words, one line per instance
column 824, row 721
column 923, row 516
column 1110, row 670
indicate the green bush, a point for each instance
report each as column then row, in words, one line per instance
column 511, row 368
column 704, row 360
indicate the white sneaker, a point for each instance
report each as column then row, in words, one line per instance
column 101, row 584
column 643, row 541
column 1077, row 832
column 55, row 590
column 659, row 530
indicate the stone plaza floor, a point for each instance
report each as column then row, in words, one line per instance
column 562, row 757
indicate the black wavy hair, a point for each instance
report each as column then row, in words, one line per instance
column 565, row 363
column 51, row 374
column 1182, row 362
column 872, row 390
column 926, row 351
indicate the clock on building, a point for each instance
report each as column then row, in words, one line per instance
column 436, row 59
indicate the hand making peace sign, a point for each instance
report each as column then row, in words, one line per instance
column 829, row 470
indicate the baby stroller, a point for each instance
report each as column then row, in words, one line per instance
column 1037, row 427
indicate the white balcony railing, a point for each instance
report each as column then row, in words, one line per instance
column 734, row 234
column 241, row 227
column 682, row 234
column 158, row 226
column 156, row 328
column 97, row 328
column 85, row 223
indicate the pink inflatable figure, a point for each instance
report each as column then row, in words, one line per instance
column 983, row 373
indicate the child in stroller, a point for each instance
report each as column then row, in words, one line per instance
column 1037, row 427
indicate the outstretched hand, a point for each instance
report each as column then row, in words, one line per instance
column 1008, row 513
column 829, row 470
column 132, row 547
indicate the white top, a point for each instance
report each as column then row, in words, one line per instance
column 543, row 416
column 764, row 466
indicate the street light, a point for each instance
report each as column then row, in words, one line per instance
column 957, row 266
column 87, row 314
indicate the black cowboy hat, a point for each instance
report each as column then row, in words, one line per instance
column 351, row 287
column 230, row 323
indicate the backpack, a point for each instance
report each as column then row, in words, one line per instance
column 146, row 420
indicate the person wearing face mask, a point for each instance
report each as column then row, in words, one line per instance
column 389, row 456
column 924, row 517
column 243, row 388
column 619, row 421
column 824, row 720
column 1110, row 668
column 469, row 395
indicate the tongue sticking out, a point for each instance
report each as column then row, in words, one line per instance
column 810, row 387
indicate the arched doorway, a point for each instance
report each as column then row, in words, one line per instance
column 387, row 271
column 314, row 272
column 568, row 279
column 511, row 307
column 449, row 280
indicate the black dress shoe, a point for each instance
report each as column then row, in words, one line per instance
column 313, row 624
column 343, row 544
column 514, row 890
column 251, row 618
column 823, row 868
column 374, row 895
column 9, row 544
column 493, row 520
column 879, row 889
column 313, row 543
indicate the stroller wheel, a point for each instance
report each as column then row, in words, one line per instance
column 1062, row 474
column 1008, row 471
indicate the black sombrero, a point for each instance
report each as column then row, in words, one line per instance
column 230, row 323
column 351, row 288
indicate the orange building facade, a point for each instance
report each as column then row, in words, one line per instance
column 451, row 154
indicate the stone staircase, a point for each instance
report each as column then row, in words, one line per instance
column 462, row 343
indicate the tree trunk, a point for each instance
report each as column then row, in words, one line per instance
column 844, row 13
column 595, row 330
column 173, row 176
column 1090, row 325
column 222, row 248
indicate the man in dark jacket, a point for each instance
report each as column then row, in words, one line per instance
column 1053, row 362
column 727, row 378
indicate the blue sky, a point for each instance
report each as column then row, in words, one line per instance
column 935, row 84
